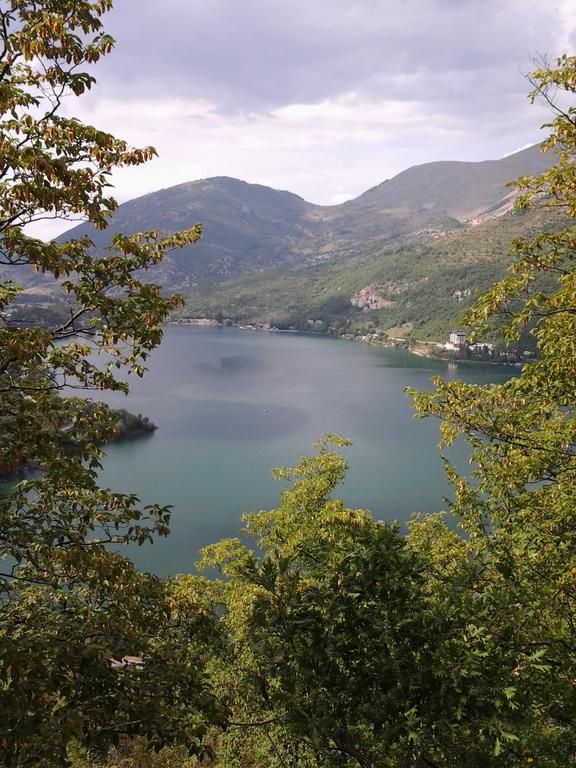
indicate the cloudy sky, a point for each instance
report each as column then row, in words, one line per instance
column 325, row 98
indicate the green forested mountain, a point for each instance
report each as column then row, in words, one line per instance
column 404, row 257
column 246, row 226
column 249, row 226
column 412, row 287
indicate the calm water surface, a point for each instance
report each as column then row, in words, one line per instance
column 231, row 404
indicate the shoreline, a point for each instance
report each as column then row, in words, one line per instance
column 423, row 349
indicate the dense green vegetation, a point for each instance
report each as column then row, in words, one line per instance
column 325, row 638
column 428, row 282
column 70, row 603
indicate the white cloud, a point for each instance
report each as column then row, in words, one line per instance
column 344, row 142
column 325, row 98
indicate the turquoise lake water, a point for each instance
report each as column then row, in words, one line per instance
column 231, row 404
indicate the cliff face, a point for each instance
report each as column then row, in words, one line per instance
column 368, row 299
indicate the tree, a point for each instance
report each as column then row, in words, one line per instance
column 354, row 646
column 70, row 603
column 335, row 647
column 518, row 509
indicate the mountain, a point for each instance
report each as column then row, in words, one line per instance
column 404, row 258
column 411, row 287
column 458, row 190
column 249, row 227
column 245, row 226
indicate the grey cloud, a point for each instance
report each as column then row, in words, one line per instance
column 257, row 55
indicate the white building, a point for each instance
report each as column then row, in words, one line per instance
column 456, row 340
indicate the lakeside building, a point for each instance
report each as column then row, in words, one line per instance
column 456, row 340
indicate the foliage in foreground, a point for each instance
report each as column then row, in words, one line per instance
column 348, row 644
column 70, row 603
column 518, row 510
column 331, row 640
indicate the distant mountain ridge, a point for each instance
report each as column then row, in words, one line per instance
column 250, row 227
column 402, row 260
column 462, row 190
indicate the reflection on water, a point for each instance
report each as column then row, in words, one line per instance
column 233, row 364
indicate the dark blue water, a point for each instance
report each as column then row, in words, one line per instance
column 231, row 404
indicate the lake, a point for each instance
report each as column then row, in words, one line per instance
column 231, row 404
